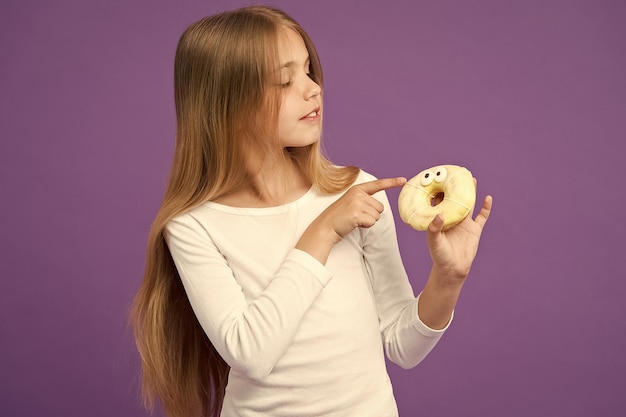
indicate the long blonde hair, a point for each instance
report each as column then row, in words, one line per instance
column 222, row 76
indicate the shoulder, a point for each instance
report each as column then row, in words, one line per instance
column 187, row 223
column 180, row 227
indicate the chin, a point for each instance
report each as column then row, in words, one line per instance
column 301, row 143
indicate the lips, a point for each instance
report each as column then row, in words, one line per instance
column 314, row 114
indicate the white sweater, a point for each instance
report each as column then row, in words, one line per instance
column 302, row 338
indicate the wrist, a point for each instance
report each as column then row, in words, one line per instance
column 317, row 241
column 446, row 279
column 438, row 299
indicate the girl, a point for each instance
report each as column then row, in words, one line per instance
column 273, row 282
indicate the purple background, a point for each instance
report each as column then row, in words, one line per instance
column 530, row 95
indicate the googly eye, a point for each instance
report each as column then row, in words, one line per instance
column 440, row 174
column 427, row 178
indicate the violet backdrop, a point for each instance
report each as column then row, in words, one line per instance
column 530, row 95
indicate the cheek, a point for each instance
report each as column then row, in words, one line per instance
column 285, row 128
column 286, row 116
column 283, row 111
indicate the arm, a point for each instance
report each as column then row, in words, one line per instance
column 365, row 207
column 452, row 252
column 412, row 327
column 407, row 340
column 249, row 337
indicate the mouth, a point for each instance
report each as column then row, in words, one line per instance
column 313, row 115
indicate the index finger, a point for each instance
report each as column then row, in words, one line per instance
column 372, row 187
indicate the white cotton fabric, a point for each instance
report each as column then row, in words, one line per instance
column 302, row 338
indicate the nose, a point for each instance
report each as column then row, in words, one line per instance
column 312, row 89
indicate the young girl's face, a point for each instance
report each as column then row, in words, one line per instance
column 300, row 116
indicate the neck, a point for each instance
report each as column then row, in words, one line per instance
column 272, row 182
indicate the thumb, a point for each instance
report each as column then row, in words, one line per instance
column 434, row 231
column 436, row 225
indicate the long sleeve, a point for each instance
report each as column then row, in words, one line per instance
column 250, row 336
column 406, row 339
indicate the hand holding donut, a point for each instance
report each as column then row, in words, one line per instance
column 453, row 252
column 440, row 201
column 454, row 249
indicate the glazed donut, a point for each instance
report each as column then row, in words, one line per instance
column 453, row 183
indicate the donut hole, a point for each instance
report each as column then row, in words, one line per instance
column 438, row 198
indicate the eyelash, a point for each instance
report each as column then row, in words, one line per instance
column 288, row 83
